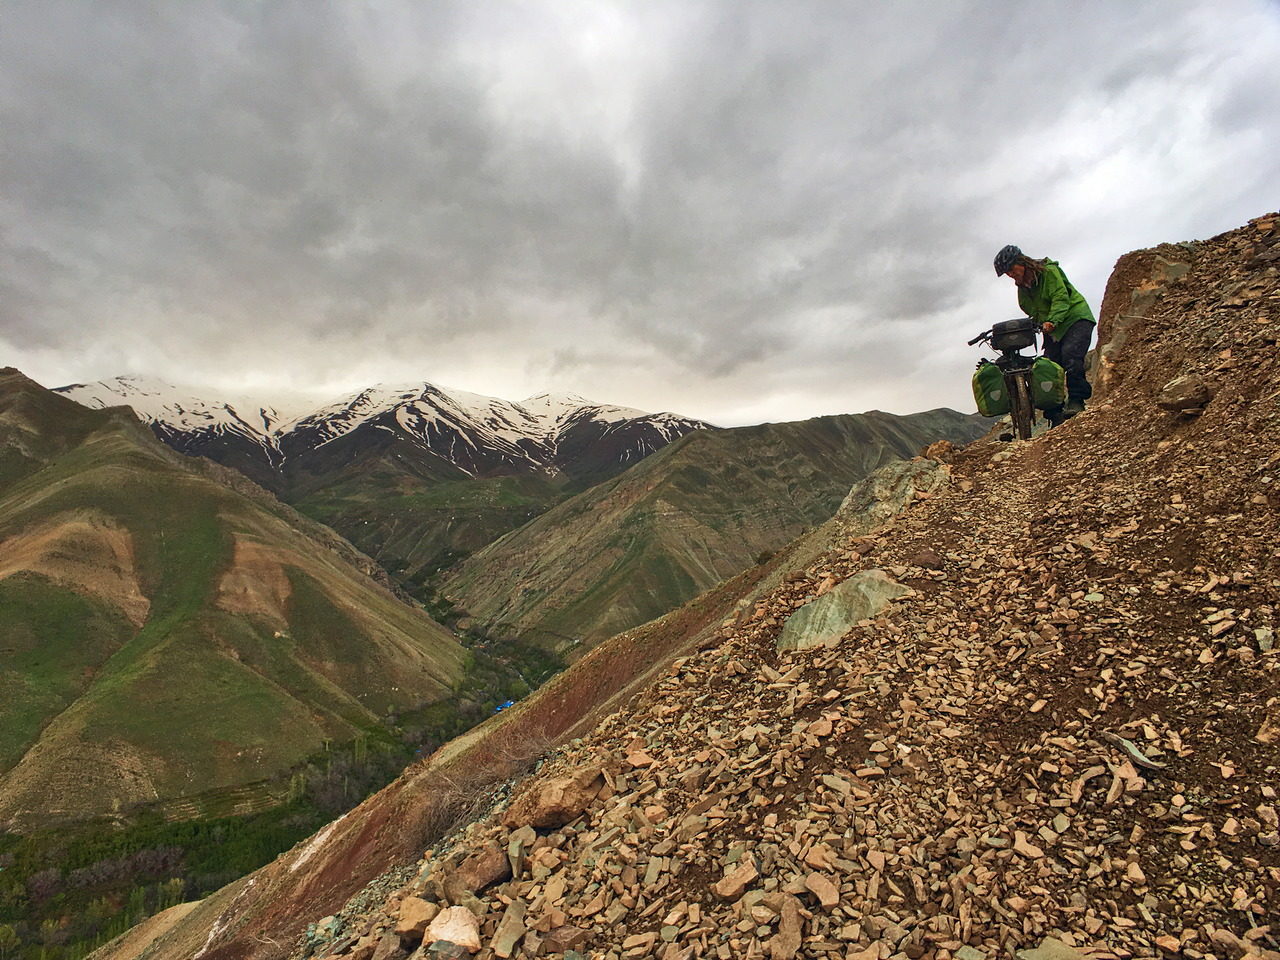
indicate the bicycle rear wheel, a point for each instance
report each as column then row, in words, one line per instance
column 1020, row 404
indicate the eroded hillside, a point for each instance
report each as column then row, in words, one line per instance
column 165, row 634
column 1063, row 741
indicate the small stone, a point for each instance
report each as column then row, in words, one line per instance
column 415, row 915
column 483, row 868
column 639, row 943
column 927, row 557
column 733, row 884
column 1265, row 637
column 828, row 893
column 564, row 938
column 1025, row 847
column 1051, row 948
column 820, row 728
column 510, row 929
column 786, row 942
column 970, row 953
column 1184, row 393
column 819, row 857
column 389, row 948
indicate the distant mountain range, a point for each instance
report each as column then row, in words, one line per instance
column 417, row 476
column 563, row 436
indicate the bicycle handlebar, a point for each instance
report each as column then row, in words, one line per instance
column 985, row 335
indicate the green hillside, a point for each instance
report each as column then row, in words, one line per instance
column 163, row 634
column 408, row 509
column 679, row 522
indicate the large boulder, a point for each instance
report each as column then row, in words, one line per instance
column 456, row 925
column 415, row 915
column 828, row 618
column 553, row 803
column 483, row 868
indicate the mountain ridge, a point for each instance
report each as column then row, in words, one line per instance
column 700, row 510
column 516, row 435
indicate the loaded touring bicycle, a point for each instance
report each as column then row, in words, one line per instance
column 1015, row 383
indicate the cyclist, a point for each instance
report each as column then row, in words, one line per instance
column 1047, row 296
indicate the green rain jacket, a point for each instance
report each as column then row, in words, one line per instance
column 1055, row 300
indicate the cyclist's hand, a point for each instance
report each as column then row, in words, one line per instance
column 1048, row 327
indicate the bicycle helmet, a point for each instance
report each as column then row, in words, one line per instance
column 1006, row 258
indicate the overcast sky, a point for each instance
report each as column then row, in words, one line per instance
column 742, row 211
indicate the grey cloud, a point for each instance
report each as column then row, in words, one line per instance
column 713, row 200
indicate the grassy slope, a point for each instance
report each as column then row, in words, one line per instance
column 102, row 713
column 408, row 509
column 679, row 522
column 414, row 528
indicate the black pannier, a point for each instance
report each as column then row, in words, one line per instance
column 1014, row 334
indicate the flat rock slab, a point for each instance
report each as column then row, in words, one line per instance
column 1051, row 949
column 829, row 617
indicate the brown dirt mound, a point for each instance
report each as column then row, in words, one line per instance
column 88, row 554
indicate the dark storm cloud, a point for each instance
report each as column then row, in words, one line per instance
column 687, row 205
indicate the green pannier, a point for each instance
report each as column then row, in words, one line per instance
column 1048, row 384
column 989, row 391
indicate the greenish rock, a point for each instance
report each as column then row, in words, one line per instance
column 1265, row 637
column 970, row 953
column 1051, row 949
column 829, row 617
column 1169, row 270
column 1093, row 597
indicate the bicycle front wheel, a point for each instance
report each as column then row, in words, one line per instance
column 1020, row 404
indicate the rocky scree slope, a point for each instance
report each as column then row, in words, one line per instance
column 165, row 634
column 1062, row 743
column 699, row 511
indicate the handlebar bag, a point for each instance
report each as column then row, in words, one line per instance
column 1014, row 334
column 1048, row 384
column 988, row 390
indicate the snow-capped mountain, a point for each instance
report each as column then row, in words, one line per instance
column 481, row 436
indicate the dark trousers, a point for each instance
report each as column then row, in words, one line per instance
column 1070, row 352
